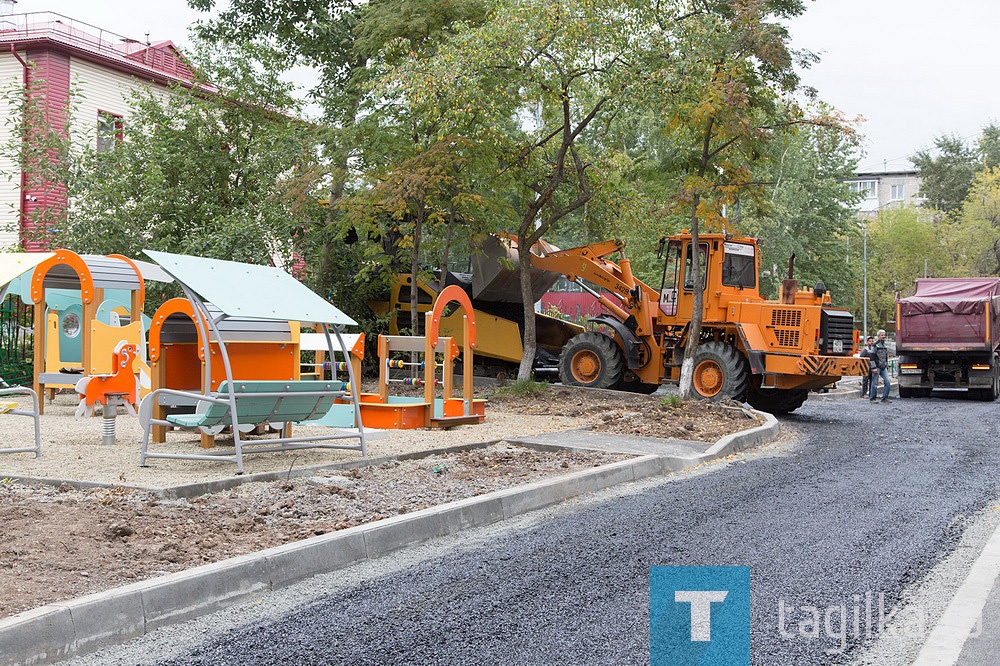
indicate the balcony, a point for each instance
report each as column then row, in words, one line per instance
column 160, row 58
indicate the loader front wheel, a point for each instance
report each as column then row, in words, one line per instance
column 719, row 372
column 592, row 360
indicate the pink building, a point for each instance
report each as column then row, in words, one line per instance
column 56, row 53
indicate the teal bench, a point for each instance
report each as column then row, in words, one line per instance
column 263, row 402
column 253, row 403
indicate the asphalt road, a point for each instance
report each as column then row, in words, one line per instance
column 857, row 502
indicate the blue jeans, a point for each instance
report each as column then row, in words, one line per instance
column 873, row 388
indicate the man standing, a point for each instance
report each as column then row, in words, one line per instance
column 879, row 358
column 866, row 352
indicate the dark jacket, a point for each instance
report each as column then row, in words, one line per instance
column 880, row 355
column 867, row 352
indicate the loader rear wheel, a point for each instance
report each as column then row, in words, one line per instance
column 592, row 360
column 719, row 372
column 776, row 401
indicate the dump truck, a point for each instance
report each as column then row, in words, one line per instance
column 947, row 337
column 493, row 286
column 767, row 353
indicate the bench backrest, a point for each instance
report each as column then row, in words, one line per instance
column 281, row 401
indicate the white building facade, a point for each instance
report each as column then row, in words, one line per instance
column 51, row 55
column 885, row 189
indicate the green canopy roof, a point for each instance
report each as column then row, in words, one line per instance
column 249, row 290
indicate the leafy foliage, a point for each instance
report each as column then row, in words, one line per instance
column 947, row 175
column 808, row 212
column 207, row 174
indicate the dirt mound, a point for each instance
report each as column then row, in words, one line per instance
column 621, row 413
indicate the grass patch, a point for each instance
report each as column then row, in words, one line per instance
column 524, row 388
column 672, row 400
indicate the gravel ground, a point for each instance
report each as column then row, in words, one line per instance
column 72, row 449
column 863, row 499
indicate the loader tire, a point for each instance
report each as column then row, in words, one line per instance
column 719, row 372
column 592, row 360
column 776, row 401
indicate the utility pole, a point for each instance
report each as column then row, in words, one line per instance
column 864, row 289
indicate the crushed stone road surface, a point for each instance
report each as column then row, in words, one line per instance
column 859, row 499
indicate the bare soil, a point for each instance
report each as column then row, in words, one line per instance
column 60, row 543
column 622, row 413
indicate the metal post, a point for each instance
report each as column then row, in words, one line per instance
column 864, row 296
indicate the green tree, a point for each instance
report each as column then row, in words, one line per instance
column 946, row 172
column 733, row 94
column 556, row 67
column 808, row 211
column 350, row 44
column 210, row 170
column 988, row 146
column 974, row 236
column 903, row 244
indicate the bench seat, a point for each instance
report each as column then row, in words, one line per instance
column 252, row 403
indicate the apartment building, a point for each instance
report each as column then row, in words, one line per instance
column 885, row 189
column 51, row 54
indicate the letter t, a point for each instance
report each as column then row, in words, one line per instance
column 701, row 610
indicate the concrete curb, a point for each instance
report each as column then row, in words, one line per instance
column 59, row 631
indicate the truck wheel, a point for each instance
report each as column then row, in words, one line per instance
column 905, row 392
column 776, row 401
column 719, row 372
column 592, row 360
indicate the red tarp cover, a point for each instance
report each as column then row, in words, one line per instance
column 948, row 312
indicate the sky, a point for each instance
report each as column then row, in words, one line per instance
column 914, row 69
column 162, row 19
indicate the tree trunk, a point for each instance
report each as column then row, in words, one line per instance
column 446, row 252
column 694, row 329
column 327, row 254
column 524, row 371
column 415, row 269
column 698, row 304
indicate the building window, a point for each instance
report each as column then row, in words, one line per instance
column 110, row 131
column 896, row 193
column 869, row 188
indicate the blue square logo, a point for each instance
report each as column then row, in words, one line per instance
column 699, row 616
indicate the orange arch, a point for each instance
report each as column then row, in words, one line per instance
column 71, row 259
column 173, row 306
column 79, row 266
column 451, row 294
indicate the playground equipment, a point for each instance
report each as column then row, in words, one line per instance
column 316, row 342
column 240, row 293
column 111, row 391
column 12, row 266
column 258, row 349
column 386, row 411
column 85, row 305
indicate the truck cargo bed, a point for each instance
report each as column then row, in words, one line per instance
column 950, row 314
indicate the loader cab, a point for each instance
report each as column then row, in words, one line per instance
column 728, row 269
column 677, row 291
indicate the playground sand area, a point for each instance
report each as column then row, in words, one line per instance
column 62, row 542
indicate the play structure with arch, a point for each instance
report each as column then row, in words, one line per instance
column 383, row 410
